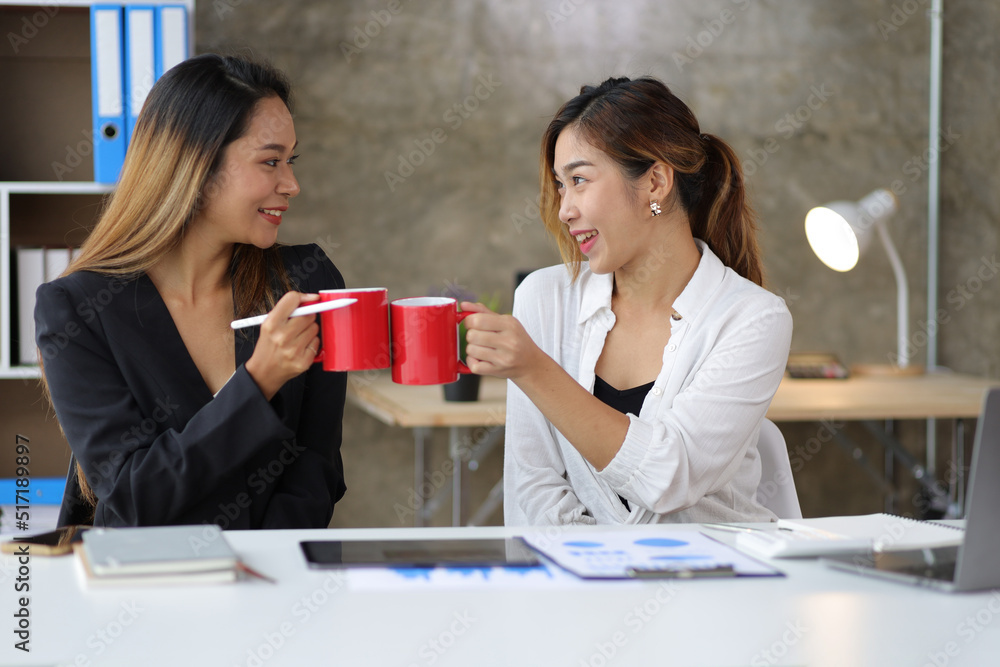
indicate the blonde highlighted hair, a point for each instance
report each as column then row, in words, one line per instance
column 192, row 113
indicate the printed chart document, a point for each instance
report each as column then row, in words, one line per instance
column 829, row 536
column 638, row 554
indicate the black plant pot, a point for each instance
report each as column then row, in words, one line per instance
column 465, row 389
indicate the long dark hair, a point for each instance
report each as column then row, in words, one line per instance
column 637, row 123
column 191, row 114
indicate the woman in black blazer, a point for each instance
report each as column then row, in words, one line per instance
column 171, row 416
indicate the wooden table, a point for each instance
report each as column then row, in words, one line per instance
column 938, row 395
column 859, row 398
column 868, row 399
column 415, row 406
column 473, row 430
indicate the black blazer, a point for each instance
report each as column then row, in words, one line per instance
column 155, row 445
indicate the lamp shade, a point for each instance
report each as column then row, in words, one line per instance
column 839, row 232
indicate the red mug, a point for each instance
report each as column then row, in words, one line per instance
column 425, row 340
column 356, row 337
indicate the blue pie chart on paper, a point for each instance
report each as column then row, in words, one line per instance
column 660, row 542
column 583, row 544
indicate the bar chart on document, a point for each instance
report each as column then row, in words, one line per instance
column 460, row 577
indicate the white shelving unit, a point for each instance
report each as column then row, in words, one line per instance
column 8, row 369
column 45, row 131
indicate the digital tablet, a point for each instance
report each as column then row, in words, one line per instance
column 486, row 552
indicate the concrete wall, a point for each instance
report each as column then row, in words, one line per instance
column 419, row 125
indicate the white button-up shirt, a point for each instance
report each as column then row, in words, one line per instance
column 690, row 455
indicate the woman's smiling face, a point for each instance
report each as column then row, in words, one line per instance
column 246, row 197
column 601, row 209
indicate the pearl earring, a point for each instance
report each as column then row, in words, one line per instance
column 655, row 208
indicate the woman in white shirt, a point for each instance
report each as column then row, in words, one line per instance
column 639, row 378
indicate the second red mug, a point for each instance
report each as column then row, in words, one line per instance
column 425, row 340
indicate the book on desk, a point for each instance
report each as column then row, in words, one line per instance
column 165, row 555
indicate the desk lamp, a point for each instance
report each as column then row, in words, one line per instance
column 841, row 231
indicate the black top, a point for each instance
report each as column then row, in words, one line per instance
column 624, row 401
column 155, row 446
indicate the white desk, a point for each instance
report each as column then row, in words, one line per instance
column 814, row 616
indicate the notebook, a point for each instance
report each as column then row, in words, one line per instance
column 975, row 563
column 157, row 555
column 835, row 535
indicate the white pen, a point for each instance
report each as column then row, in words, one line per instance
column 734, row 529
column 311, row 309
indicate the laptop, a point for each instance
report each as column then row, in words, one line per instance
column 975, row 564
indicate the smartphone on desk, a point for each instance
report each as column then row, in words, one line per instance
column 53, row 543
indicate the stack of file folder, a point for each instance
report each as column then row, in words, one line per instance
column 131, row 47
column 33, row 267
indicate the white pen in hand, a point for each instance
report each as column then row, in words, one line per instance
column 311, row 309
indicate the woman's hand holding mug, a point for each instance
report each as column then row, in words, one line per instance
column 497, row 344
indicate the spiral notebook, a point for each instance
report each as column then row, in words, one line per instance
column 833, row 535
column 974, row 563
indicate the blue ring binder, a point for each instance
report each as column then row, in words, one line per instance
column 131, row 46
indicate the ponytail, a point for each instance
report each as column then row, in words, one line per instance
column 723, row 217
column 638, row 123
